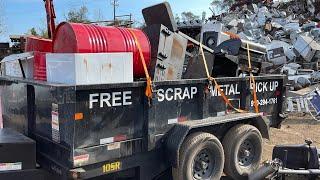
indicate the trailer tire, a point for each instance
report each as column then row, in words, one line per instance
column 243, row 151
column 201, row 156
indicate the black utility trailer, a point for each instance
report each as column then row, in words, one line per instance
column 113, row 130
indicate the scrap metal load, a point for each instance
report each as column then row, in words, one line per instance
column 282, row 31
column 84, row 38
column 82, row 54
column 273, row 34
column 78, row 100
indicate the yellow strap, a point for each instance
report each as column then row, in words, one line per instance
column 149, row 89
column 252, row 82
column 217, row 86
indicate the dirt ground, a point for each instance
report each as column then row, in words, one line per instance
column 293, row 131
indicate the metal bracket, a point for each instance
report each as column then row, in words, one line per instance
column 163, row 55
column 166, row 31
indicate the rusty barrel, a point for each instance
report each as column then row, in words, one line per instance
column 87, row 38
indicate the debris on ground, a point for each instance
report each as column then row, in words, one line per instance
column 294, row 130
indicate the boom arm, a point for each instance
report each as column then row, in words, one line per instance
column 51, row 16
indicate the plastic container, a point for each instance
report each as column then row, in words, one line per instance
column 85, row 38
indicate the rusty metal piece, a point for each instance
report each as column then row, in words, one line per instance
column 168, row 53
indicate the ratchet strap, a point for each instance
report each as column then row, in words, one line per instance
column 217, row 86
column 252, row 83
column 149, row 90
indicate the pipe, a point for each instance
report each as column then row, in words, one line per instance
column 301, row 172
column 268, row 168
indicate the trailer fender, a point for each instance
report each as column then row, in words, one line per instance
column 174, row 141
column 179, row 132
column 263, row 124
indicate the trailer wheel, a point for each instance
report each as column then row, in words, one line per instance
column 201, row 157
column 243, row 151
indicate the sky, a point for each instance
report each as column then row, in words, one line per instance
column 21, row 15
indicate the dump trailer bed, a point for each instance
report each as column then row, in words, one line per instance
column 92, row 130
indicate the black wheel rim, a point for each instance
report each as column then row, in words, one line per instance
column 246, row 153
column 203, row 165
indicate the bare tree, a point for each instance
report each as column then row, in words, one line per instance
column 98, row 15
column 40, row 31
column 44, row 33
column 177, row 18
column 78, row 15
column 189, row 16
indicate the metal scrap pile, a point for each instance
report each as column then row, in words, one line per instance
column 289, row 30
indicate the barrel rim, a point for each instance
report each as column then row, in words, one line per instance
column 57, row 29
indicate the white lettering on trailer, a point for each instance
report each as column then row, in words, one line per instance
column 228, row 89
column 93, row 100
column 265, row 102
column 266, row 86
column 232, row 89
column 176, row 93
column 116, row 97
column 126, row 98
column 113, row 99
column 104, row 98
column 168, row 96
column 160, row 93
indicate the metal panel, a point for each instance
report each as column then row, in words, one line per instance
column 14, row 106
column 13, row 68
column 306, row 47
column 82, row 69
column 38, row 44
column 160, row 14
column 11, row 145
column 104, row 119
column 168, row 53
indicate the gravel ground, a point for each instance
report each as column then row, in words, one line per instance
column 293, row 131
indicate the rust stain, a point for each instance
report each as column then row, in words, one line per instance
column 85, row 61
column 107, row 66
column 170, row 74
column 177, row 50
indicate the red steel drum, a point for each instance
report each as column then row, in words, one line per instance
column 87, row 38
column 39, row 66
column 38, row 44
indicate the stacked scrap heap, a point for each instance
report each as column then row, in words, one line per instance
column 284, row 36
